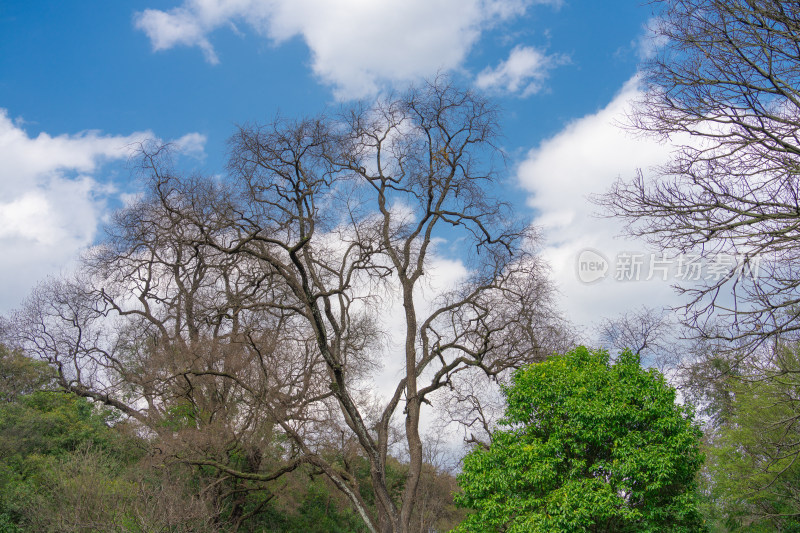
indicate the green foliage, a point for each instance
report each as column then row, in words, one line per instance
column 588, row 446
column 182, row 415
column 52, row 423
column 79, row 491
column 36, row 419
column 69, row 464
column 395, row 478
column 21, row 375
column 703, row 388
column 755, row 475
column 58, row 452
column 320, row 510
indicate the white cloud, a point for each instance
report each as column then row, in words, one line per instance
column 356, row 45
column 651, row 41
column 51, row 199
column 523, row 72
column 191, row 144
column 586, row 158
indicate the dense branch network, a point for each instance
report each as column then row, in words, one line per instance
column 252, row 313
column 725, row 89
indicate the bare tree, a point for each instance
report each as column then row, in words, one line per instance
column 173, row 335
column 640, row 331
column 653, row 334
column 725, row 87
column 339, row 211
column 261, row 305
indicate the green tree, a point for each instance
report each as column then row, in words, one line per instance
column 21, row 375
column 57, row 453
column 587, row 445
column 69, row 464
column 753, row 467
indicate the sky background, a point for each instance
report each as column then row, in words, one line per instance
column 82, row 82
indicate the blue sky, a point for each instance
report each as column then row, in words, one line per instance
column 81, row 81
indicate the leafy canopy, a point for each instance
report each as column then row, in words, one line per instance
column 588, row 445
column 753, row 465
